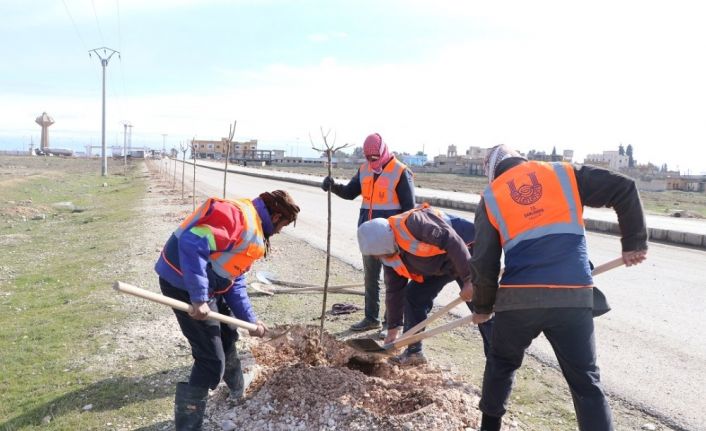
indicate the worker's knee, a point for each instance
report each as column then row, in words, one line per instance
column 207, row 372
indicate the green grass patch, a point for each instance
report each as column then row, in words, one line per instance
column 54, row 293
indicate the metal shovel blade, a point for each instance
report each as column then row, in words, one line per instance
column 367, row 345
column 264, row 277
column 275, row 335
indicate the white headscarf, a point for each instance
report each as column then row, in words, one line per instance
column 496, row 155
column 375, row 238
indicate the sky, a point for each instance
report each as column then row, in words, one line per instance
column 581, row 76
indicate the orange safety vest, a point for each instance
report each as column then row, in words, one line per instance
column 407, row 242
column 534, row 199
column 231, row 258
column 380, row 193
column 530, row 201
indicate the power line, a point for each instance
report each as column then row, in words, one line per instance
column 95, row 14
column 68, row 12
column 120, row 47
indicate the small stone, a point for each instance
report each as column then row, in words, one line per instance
column 87, row 407
column 46, row 420
column 408, row 426
column 649, row 427
column 228, row 425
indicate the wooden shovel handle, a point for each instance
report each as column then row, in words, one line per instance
column 307, row 285
column 445, row 309
column 411, row 336
column 317, row 290
column 600, row 269
column 179, row 305
column 430, row 333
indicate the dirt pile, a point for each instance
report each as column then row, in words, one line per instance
column 304, row 385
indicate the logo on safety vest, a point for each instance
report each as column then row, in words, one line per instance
column 526, row 194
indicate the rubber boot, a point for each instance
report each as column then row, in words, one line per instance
column 490, row 423
column 233, row 375
column 189, row 407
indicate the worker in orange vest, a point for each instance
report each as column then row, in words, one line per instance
column 423, row 250
column 387, row 188
column 533, row 213
column 204, row 263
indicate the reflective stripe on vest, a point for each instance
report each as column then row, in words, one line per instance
column 380, row 194
column 407, row 242
column 404, row 238
column 237, row 257
column 395, row 262
column 249, row 248
column 533, row 200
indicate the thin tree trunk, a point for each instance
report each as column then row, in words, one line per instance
column 328, row 253
column 183, row 169
column 193, row 189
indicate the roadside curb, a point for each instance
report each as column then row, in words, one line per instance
column 674, row 237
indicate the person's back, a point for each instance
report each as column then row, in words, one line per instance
column 532, row 212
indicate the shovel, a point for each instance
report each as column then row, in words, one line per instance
column 269, row 278
column 368, row 345
column 183, row 306
column 179, row 305
column 310, row 289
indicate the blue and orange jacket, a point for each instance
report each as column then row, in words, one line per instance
column 537, row 211
column 212, row 249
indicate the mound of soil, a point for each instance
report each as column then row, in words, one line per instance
column 303, row 384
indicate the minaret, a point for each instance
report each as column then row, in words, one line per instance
column 45, row 121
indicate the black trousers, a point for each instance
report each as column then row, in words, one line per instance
column 570, row 333
column 210, row 341
column 419, row 300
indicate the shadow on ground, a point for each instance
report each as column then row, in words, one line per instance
column 108, row 394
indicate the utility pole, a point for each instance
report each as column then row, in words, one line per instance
column 164, row 144
column 129, row 137
column 104, row 54
column 125, row 125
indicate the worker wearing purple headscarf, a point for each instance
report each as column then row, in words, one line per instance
column 387, row 188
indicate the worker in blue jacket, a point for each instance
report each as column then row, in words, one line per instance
column 204, row 263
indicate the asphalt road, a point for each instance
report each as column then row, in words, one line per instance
column 651, row 346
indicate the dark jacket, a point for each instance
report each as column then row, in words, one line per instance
column 404, row 190
column 597, row 188
column 455, row 238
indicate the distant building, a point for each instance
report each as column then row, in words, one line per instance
column 476, row 153
column 568, row 155
column 204, row 149
column 240, row 152
column 243, row 150
column 413, row 160
column 609, row 159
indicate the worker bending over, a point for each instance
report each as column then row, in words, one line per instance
column 204, row 263
column 422, row 250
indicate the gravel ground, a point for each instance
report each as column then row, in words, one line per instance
column 303, row 384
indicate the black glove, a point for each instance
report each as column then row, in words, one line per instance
column 327, row 184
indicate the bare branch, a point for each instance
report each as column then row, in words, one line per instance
column 231, row 133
